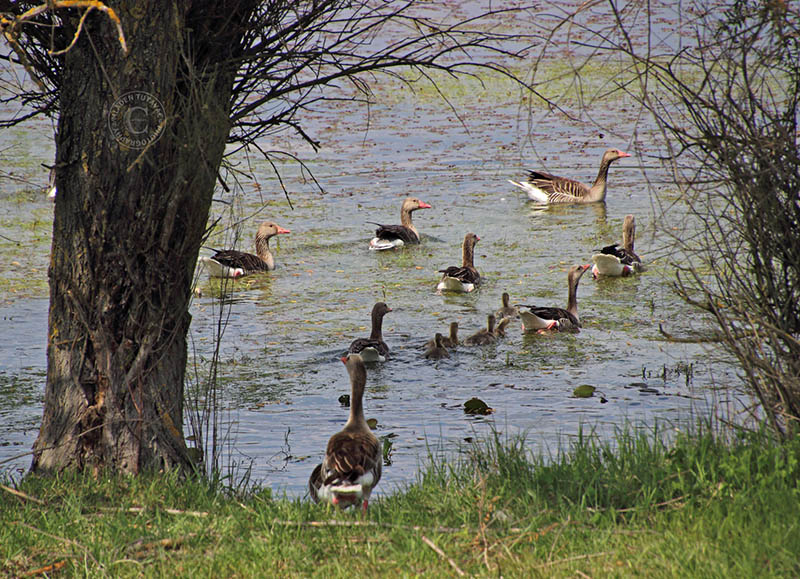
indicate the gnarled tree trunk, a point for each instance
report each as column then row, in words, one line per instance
column 135, row 177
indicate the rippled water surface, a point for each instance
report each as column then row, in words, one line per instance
column 282, row 377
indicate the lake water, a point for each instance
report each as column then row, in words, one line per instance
column 281, row 376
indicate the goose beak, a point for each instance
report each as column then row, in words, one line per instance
column 343, row 359
column 624, row 154
column 423, row 205
column 282, row 230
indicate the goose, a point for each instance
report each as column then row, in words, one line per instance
column 484, row 336
column 353, row 458
column 500, row 328
column 392, row 236
column 437, row 351
column 542, row 318
column 545, row 188
column 373, row 349
column 233, row 263
column 617, row 261
column 506, row 311
column 465, row 278
column 450, row 341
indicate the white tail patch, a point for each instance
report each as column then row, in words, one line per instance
column 609, row 265
column 216, row 269
column 534, row 193
column 378, row 244
column 451, row 284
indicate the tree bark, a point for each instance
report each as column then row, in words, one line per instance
column 127, row 229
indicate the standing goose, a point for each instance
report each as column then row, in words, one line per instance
column 618, row 261
column 450, row 341
column 437, row 351
column 545, row 188
column 373, row 349
column 506, row 311
column 233, row 263
column 484, row 336
column 540, row 318
column 391, row 236
column 465, row 278
column 353, row 459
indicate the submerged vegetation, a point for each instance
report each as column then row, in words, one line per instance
column 702, row 504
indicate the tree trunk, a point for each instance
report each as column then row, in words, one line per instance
column 129, row 220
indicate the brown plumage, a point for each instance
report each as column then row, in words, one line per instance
column 506, row 311
column 546, row 188
column 614, row 260
column 547, row 318
column 390, row 236
column 450, row 341
column 437, row 351
column 353, row 458
column 373, row 349
column 234, row 263
column 466, row 277
column 500, row 328
column 484, row 336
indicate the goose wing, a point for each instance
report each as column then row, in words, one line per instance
column 462, row 274
column 392, row 232
column 233, row 259
column 558, row 189
column 352, row 458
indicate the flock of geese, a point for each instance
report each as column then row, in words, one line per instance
column 353, row 458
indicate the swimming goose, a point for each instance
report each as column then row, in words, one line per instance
column 500, row 328
column 542, row 318
column 437, row 351
column 464, row 278
column 485, row 335
column 450, row 341
column 233, row 263
column 506, row 311
column 391, row 236
column 353, row 458
column 614, row 260
column 373, row 349
column 545, row 188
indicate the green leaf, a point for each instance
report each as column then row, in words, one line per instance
column 583, row 391
column 372, row 423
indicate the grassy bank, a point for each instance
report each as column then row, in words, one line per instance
column 695, row 507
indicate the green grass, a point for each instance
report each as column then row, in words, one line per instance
column 697, row 506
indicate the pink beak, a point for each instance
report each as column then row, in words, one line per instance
column 423, row 205
column 624, row 154
column 282, row 230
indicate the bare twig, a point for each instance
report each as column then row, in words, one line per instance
column 442, row 554
column 574, row 558
column 86, row 550
column 57, row 566
column 22, row 495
